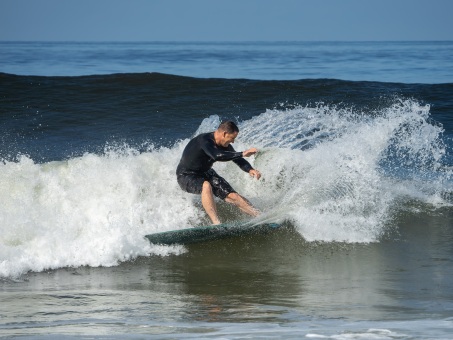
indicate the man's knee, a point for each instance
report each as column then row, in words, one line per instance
column 207, row 187
column 233, row 197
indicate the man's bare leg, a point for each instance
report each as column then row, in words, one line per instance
column 208, row 202
column 242, row 203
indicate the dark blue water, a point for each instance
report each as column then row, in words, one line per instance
column 355, row 145
column 51, row 118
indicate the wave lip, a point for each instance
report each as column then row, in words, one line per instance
column 340, row 175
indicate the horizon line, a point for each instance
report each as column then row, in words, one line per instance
column 217, row 41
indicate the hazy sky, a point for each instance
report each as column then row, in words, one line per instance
column 225, row 20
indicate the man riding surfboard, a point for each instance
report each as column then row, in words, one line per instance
column 195, row 174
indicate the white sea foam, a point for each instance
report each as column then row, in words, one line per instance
column 338, row 174
column 91, row 210
column 334, row 173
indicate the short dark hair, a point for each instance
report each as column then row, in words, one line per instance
column 228, row 126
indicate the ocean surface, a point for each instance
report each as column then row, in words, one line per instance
column 355, row 145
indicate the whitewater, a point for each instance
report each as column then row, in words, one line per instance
column 334, row 174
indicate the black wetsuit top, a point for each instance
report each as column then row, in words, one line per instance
column 201, row 153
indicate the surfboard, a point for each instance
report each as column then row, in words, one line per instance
column 210, row 232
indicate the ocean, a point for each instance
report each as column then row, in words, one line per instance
column 355, row 149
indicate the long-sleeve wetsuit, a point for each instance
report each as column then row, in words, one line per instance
column 201, row 153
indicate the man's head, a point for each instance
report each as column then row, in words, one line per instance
column 229, row 127
column 226, row 133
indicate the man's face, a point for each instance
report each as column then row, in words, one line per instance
column 228, row 138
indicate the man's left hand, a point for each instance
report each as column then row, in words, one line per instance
column 255, row 173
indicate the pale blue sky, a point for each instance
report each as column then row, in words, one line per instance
column 229, row 20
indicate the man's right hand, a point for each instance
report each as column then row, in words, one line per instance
column 249, row 152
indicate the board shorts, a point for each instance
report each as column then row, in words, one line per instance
column 193, row 183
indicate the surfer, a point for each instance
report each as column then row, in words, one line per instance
column 195, row 174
